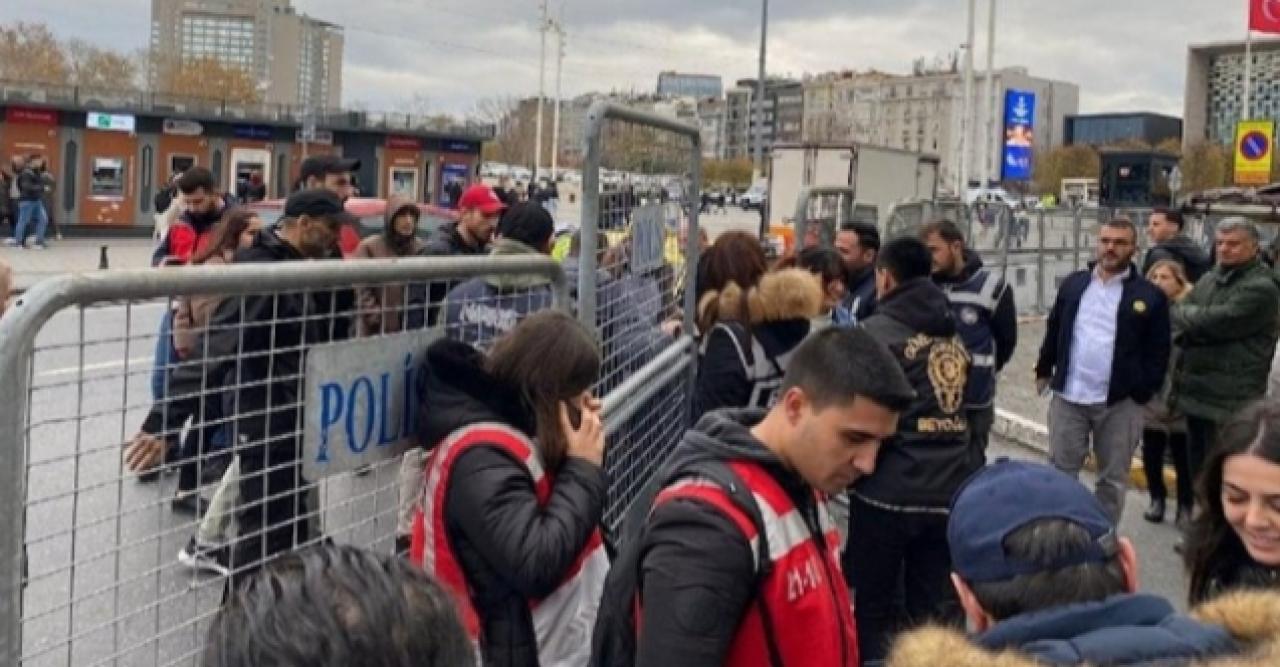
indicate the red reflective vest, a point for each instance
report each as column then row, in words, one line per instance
column 563, row 620
column 802, row 614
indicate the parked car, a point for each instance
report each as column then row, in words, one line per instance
column 372, row 218
column 754, row 198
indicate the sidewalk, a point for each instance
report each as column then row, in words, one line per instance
column 75, row 256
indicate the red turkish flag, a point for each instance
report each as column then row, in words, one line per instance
column 1264, row 16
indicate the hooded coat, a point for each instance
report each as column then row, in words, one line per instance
column 382, row 308
column 482, row 309
column 773, row 317
column 511, row 549
column 929, row 458
column 693, row 565
column 1183, row 250
column 1153, row 636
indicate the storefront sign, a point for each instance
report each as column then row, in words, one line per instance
column 110, row 122
column 27, row 116
column 404, row 143
column 186, row 128
column 251, row 132
column 322, row 137
column 460, row 147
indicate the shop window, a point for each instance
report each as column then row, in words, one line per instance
column 179, row 163
column 404, row 182
column 106, row 179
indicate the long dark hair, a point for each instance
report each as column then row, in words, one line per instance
column 1213, row 549
column 548, row 358
column 225, row 235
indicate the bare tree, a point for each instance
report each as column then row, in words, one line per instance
column 94, row 67
column 30, row 53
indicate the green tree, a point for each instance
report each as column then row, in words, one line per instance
column 1205, row 165
column 1065, row 162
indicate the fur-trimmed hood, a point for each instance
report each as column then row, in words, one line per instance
column 1252, row 618
column 789, row 294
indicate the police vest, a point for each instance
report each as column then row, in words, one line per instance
column 764, row 372
column 801, row 614
column 562, row 621
column 973, row 303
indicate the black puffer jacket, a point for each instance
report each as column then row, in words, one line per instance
column 923, row 465
column 255, row 344
column 1182, row 250
column 511, row 550
column 730, row 374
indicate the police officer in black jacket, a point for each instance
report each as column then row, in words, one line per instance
column 254, row 344
column 898, row 516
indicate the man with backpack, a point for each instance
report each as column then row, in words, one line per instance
column 731, row 558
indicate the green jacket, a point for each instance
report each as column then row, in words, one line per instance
column 1227, row 329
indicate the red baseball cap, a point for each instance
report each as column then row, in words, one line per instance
column 482, row 197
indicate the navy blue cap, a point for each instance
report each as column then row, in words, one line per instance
column 1007, row 495
column 317, row 203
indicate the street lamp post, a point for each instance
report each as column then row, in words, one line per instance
column 759, row 101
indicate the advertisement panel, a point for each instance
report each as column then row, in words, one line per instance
column 110, row 122
column 1255, row 146
column 1019, row 135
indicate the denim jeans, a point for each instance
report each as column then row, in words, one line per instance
column 165, row 357
column 26, row 211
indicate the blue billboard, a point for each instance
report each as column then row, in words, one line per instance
column 1019, row 135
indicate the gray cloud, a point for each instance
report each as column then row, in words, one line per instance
column 1124, row 55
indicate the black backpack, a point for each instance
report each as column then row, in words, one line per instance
column 613, row 643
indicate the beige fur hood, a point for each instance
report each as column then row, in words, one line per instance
column 789, row 294
column 1252, row 617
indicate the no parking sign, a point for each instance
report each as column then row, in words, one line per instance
column 1255, row 147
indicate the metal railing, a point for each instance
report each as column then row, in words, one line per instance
column 101, row 99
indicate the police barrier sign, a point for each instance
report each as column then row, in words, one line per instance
column 361, row 401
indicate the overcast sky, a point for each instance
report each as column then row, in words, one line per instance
column 1124, row 54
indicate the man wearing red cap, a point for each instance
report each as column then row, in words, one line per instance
column 478, row 211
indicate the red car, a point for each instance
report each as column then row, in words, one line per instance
column 372, row 215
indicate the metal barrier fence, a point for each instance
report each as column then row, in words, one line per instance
column 88, row 552
column 303, row 382
column 1034, row 249
column 634, row 294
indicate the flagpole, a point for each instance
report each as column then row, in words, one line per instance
column 1248, row 71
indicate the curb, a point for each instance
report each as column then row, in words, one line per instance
column 1034, row 437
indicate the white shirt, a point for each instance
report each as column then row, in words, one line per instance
column 1093, row 340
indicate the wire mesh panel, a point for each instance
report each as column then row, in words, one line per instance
column 638, row 246
column 244, row 410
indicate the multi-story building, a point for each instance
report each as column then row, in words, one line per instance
column 677, row 84
column 923, row 112
column 712, row 122
column 1109, row 129
column 780, row 116
column 296, row 59
column 1213, row 101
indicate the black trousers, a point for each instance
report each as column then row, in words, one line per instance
column 1154, row 444
column 1201, row 434
column 900, row 570
column 271, row 517
column 980, row 422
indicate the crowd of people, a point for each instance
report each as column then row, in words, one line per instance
column 832, row 502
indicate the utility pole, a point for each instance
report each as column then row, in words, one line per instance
column 759, row 101
column 966, row 113
column 989, row 123
column 555, row 124
column 542, row 87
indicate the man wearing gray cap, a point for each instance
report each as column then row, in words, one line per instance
column 1227, row 329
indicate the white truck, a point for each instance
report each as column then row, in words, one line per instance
column 879, row 176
